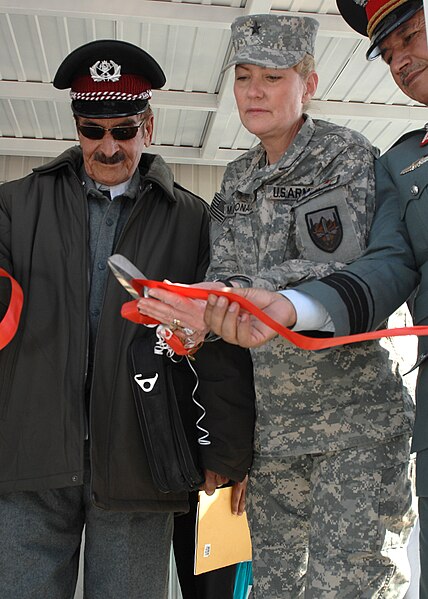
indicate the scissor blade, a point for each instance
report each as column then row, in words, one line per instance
column 125, row 271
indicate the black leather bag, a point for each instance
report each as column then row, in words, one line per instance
column 167, row 415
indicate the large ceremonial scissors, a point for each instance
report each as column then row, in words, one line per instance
column 131, row 279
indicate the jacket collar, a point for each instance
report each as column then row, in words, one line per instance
column 153, row 169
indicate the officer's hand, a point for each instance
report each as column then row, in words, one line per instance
column 241, row 328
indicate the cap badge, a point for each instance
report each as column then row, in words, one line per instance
column 105, row 70
column 255, row 28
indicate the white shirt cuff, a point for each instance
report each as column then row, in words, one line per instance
column 311, row 314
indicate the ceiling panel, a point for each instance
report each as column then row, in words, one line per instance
column 196, row 120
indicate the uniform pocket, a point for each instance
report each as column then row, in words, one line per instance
column 358, row 524
column 413, row 188
column 368, row 494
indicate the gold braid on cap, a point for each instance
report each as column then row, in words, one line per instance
column 381, row 13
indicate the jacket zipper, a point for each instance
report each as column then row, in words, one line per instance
column 131, row 216
column 84, row 369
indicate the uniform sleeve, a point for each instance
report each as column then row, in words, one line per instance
column 363, row 295
column 326, row 232
column 223, row 255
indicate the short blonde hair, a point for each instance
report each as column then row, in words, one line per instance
column 305, row 66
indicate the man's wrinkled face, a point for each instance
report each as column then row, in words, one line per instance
column 405, row 51
column 112, row 161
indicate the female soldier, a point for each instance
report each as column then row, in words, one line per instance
column 329, row 495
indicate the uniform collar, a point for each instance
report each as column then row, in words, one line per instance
column 258, row 172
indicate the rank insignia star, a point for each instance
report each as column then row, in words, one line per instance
column 255, row 28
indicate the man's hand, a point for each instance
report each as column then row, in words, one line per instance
column 184, row 316
column 167, row 307
column 212, row 481
column 241, row 328
column 239, row 491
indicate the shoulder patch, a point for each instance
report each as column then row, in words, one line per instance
column 325, row 228
column 217, row 208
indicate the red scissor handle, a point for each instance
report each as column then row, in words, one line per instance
column 130, row 312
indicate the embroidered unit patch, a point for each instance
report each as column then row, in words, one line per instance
column 325, row 228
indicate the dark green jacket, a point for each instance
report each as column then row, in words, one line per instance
column 44, row 244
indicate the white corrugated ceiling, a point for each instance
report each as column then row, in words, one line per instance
column 196, row 118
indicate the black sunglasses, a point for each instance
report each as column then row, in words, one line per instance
column 117, row 133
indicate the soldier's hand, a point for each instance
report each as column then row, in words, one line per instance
column 241, row 328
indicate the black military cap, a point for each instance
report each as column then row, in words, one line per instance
column 377, row 18
column 109, row 78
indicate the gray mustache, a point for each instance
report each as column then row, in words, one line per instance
column 115, row 159
column 406, row 72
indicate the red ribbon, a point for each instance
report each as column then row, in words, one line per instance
column 312, row 343
column 10, row 322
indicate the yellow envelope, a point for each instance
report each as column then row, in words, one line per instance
column 222, row 538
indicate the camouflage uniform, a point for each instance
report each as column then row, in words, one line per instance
column 329, row 498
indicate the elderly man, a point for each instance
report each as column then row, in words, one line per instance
column 71, row 452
